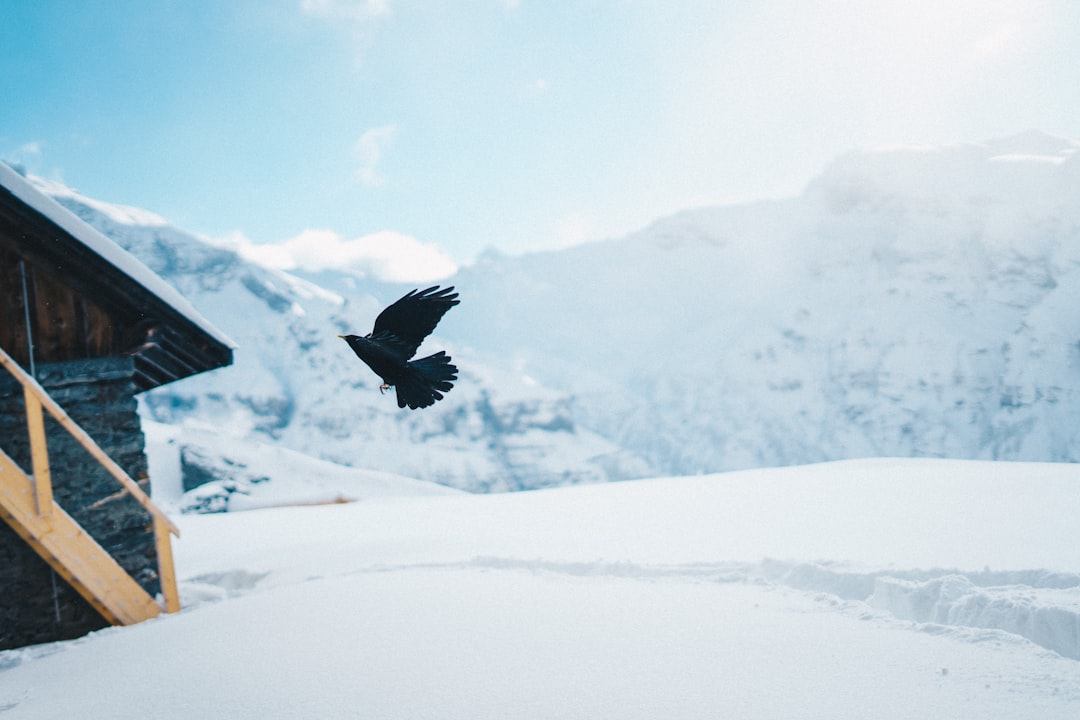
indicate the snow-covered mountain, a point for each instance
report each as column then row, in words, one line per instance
column 296, row 384
column 911, row 302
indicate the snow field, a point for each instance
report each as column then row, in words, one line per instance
column 474, row 642
column 884, row 588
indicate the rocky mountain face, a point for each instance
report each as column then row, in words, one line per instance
column 911, row 302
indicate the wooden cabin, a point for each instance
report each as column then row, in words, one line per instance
column 84, row 328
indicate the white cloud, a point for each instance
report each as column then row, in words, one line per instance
column 31, row 148
column 368, row 152
column 997, row 41
column 536, row 89
column 386, row 255
column 25, row 156
column 575, row 229
column 359, row 18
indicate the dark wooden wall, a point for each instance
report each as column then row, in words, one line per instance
column 83, row 357
column 65, row 325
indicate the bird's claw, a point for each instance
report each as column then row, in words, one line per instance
column 383, row 388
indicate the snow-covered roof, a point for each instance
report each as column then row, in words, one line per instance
column 108, row 250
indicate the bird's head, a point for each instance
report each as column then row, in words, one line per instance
column 355, row 341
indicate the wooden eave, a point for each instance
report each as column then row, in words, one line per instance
column 174, row 345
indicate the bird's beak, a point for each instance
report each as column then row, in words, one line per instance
column 341, row 336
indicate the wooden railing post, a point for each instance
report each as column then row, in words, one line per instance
column 166, row 569
column 39, row 453
column 58, row 413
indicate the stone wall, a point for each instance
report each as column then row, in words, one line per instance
column 36, row 605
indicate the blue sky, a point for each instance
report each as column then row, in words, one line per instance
column 514, row 124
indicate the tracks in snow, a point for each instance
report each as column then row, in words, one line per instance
column 1041, row 606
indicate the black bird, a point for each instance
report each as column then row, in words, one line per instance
column 398, row 332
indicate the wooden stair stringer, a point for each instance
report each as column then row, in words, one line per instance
column 71, row 552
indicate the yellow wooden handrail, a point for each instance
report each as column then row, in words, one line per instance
column 36, row 395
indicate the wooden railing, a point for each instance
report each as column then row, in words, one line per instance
column 37, row 401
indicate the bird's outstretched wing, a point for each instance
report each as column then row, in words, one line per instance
column 413, row 317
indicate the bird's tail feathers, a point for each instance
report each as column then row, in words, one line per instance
column 425, row 381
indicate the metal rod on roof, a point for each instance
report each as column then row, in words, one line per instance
column 26, row 314
column 33, row 373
